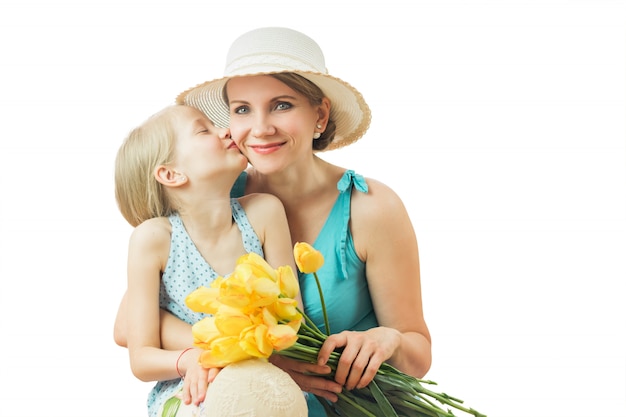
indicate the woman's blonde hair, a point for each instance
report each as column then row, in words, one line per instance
column 138, row 194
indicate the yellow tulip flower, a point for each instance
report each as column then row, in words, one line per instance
column 286, row 309
column 263, row 292
column 257, row 266
column 223, row 351
column 204, row 332
column 233, row 291
column 282, row 336
column 254, row 341
column 231, row 321
column 287, row 282
column 308, row 259
column 203, row 300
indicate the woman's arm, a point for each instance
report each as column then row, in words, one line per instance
column 175, row 333
column 385, row 239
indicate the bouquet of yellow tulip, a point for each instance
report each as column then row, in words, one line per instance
column 254, row 314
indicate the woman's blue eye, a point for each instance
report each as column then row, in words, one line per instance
column 240, row 110
column 283, row 105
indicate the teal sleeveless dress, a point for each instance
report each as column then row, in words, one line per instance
column 342, row 277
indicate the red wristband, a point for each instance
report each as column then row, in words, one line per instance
column 178, row 360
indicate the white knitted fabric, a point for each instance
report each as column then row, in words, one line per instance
column 250, row 388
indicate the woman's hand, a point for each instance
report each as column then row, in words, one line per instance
column 363, row 354
column 301, row 373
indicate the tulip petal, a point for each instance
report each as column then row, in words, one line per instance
column 223, row 351
column 282, row 336
column 203, row 300
column 287, row 281
column 204, row 332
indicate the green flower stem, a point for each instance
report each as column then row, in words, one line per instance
column 445, row 399
column 312, row 340
column 310, row 326
column 319, row 288
column 308, row 354
column 350, row 399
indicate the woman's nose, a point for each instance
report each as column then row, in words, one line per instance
column 263, row 127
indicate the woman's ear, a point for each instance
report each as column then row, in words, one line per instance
column 323, row 114
column 169, row 177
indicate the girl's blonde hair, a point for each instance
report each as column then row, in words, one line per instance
column 138, row 194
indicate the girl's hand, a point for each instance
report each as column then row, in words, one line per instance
column 363, row 354
column 301, row 373
column 197, row 379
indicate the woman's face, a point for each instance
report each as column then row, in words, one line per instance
column 272, row 124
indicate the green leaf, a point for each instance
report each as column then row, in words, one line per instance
column 170, row 408
column 381, row 400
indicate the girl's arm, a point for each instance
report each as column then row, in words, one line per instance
column 267, row 216
column 147, row 255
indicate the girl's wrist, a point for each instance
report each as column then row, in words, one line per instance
column 178, row 362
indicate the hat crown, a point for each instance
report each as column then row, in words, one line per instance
column 274, row 49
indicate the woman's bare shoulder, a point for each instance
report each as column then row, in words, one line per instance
column 379, row 197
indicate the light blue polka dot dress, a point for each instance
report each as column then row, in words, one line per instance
column 185, row 271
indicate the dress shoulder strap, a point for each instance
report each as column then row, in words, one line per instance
column 349, row 180
column 251, row 241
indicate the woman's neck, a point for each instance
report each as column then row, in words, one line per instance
column 297, row 183
column 307, row 194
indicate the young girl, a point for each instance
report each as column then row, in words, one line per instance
column 173, row 177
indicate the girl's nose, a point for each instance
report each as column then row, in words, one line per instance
column 223, row 132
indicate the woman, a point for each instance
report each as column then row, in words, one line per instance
column 283, row 107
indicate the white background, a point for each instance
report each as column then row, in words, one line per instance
column 501, row 124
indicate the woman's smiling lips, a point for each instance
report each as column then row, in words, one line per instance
column 266, row 149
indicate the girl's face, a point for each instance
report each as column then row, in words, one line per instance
column 271, row 123
column 202, row 149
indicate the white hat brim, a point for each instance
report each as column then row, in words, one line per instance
column 349, row 110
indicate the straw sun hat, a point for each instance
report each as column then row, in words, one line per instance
column 252, row 387
column 272, row 50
